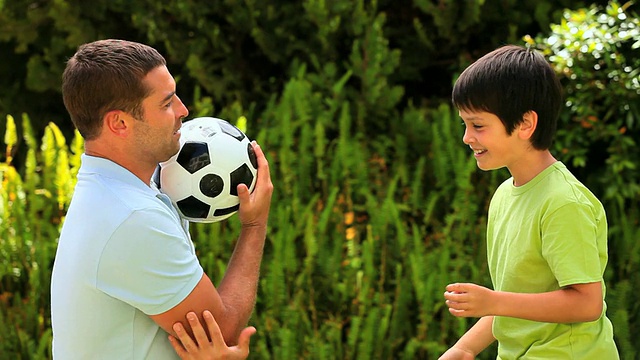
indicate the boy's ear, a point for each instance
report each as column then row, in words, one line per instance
column 528, row 125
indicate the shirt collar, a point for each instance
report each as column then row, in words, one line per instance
column 110, row 169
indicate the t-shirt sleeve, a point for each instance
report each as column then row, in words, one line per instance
column 149, row 263
column 569, row 244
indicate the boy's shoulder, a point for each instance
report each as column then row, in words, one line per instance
column 555, row 186
column 561, row 183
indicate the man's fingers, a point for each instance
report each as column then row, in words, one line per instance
column 264, row 176
column 243, row 193
column 264, row 186
column 263, row 164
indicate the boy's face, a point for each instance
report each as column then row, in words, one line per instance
column 487, row 137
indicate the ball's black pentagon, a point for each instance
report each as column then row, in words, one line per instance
column 194, row 156
column 156, row 177
column 211, row 185
column 252, row 156
column 226, row 211
column 231, row 130
column 193, row 208
column 241, row 175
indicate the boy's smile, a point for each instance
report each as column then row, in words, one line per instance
column 487, row 137
column 493, row 148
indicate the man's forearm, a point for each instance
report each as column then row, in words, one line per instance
column 239, row 286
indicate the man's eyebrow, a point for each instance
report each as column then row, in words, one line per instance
column 166, row 98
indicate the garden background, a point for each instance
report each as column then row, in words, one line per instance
column 378, row 204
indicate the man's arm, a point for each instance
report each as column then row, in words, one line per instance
column 233, row 302
column 574, row 303
column 476, row 339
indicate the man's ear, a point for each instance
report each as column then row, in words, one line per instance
column 528, row 125
column 116, row 122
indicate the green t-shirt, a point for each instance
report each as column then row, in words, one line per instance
column 546, row 234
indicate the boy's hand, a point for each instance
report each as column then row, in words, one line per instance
column 202, row 348
column 470, row 300
column 456, row 354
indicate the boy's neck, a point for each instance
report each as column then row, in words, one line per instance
column 530, row 166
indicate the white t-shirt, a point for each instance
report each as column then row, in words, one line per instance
column 123, row 254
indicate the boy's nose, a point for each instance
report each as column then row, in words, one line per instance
column 466, row 138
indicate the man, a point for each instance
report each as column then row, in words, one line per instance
column 125, row 270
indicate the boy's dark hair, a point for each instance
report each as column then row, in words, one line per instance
column 106, row 75
column 509, row 82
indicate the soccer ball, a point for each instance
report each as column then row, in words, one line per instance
column 202, row 178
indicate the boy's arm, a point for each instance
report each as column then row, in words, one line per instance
column 476, row 339
column 573, row 303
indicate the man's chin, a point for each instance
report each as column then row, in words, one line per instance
column 172, row 155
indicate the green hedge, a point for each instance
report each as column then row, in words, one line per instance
column 352, row 270
column 377, row 204
column 245, row 51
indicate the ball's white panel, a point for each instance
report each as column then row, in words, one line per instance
column 226, row 154
column 175, row 181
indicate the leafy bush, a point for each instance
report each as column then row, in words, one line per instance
column 244, row 52
column 377, row 203
column 32, row 207
column 595, row 52
column 353, row 270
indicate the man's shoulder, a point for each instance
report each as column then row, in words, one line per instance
column 108, row 191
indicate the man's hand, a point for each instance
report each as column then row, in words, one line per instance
column 254, row 207
column 203, row 349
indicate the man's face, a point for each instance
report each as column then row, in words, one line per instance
column 157, row 134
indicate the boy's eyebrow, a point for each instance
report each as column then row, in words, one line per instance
column 472, row 118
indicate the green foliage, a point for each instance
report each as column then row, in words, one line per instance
column 361, row 241
column 32, row 209
column 624, row 262
column 595, row 51
column 377, row 204
column 245, row 51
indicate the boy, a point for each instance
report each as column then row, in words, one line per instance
column 546, row 232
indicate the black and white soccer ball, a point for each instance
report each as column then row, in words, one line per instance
column 202, row 178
